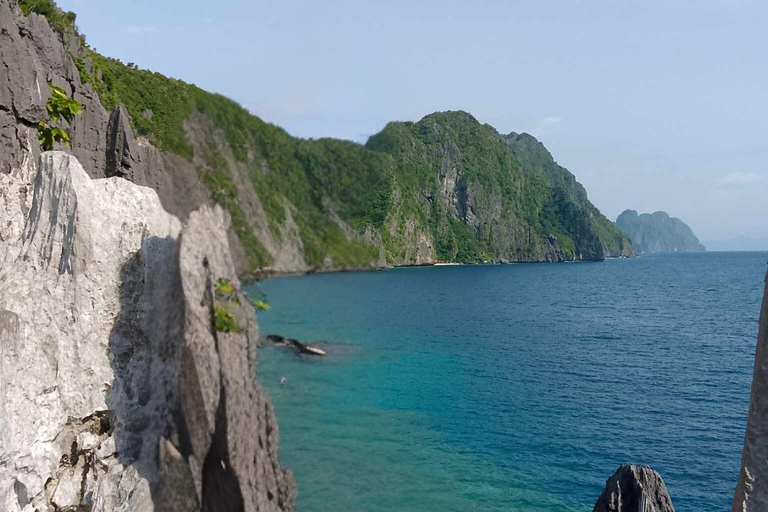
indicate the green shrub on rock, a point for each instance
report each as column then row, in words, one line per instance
column 224, row 321
column 225, row 295
column 60, row 21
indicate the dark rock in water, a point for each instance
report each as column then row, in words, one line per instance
column 300, row 347
column 634, row 489
column 275, row 338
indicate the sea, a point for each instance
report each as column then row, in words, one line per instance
column 517, row 387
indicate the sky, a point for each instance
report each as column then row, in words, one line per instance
column 653, row 105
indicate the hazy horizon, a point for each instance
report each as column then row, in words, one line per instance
column 651, row 107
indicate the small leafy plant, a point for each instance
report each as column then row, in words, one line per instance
column 260, row 300
column 59, row 106
column 261, row 304
column 225, row 294
column 226, row 291
column 224, row 320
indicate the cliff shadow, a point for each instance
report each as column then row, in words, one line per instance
column 145, row 352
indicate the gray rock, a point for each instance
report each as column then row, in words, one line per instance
column 32, row 54
column 634, row 489
column 236, row 439
column 116, row 393
column 122, row 149
column 752, row 489
column 60, row 275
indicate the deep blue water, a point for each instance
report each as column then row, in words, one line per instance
column 517, row 387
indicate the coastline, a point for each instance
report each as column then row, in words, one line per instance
column 271, row 273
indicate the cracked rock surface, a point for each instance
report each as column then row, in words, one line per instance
column 634, row 489
column 31, row 55
column 116, row 391
column 752, row 489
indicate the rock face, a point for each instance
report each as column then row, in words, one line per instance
column 658, row 232
column 752, row 489
column 32, row 55
column 477, row 195
column 634, row 489
column 116, row 392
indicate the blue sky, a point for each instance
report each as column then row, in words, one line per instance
column 652, row 105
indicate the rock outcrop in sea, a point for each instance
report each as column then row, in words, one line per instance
column 117, row 392
column 634, row 489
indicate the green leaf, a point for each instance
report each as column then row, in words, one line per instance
column 226, row 291
column 59, row 106
column 60, row 135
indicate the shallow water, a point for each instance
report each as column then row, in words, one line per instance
column 517, row 387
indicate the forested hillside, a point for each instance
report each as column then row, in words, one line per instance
column 446, row 188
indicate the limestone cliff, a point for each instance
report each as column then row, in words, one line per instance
column 116, row 390
column 492, row 197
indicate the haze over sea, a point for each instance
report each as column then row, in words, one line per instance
column 517, row 387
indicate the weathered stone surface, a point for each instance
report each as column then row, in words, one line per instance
column 60, row 276
column 115, row 392
column 634, row 489
column 122, row 149
column 752, row 489
column 32, row 55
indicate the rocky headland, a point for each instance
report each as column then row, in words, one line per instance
column 658, row 232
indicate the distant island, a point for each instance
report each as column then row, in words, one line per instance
column 658, row 232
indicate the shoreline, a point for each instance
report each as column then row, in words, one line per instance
column 270, row 274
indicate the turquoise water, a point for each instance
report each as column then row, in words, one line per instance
column 518, row 387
